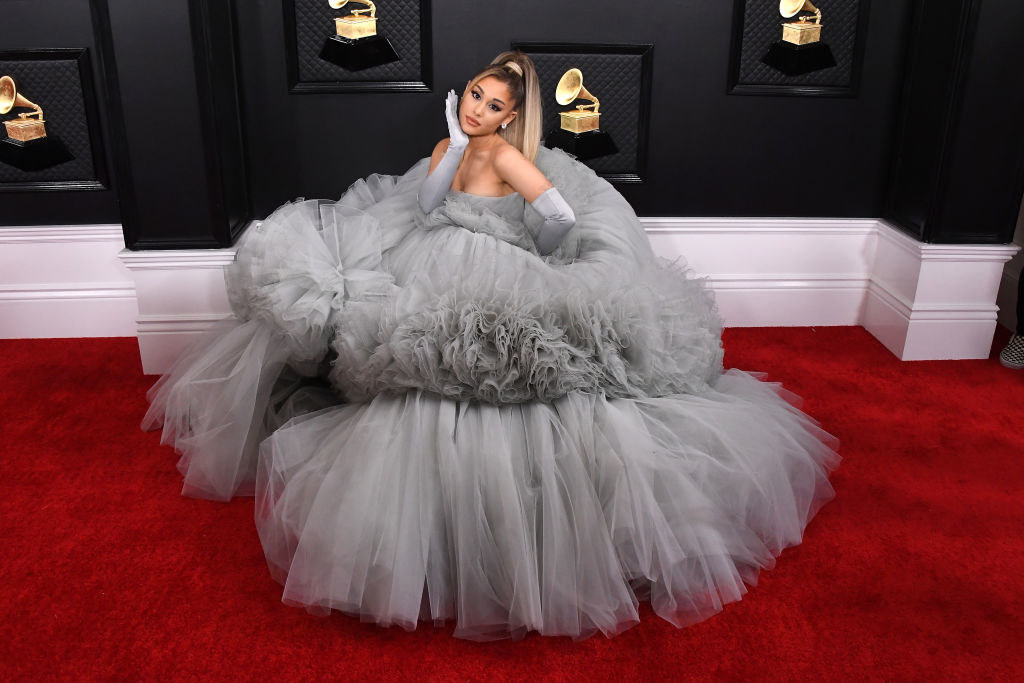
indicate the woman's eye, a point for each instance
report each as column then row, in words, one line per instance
column 476, row 95
column 495, row 107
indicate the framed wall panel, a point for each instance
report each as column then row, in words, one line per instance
column 405, row 23
column 757, row 27
column 620, row 77
column 59, row 80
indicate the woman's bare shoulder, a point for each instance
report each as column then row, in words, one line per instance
column 506, row 151
column 519, row 172
column 441, row 146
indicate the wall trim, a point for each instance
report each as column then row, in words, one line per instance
column 64, row 281
column 920, row 300
column 797, row 226
column 763, row 272
column 934, row 301
column 178, row 259
column 59, row 233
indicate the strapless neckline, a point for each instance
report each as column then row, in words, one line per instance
column 485, row 196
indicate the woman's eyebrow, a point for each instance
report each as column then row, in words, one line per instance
column 483, row 93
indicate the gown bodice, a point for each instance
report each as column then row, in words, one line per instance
column 503, row 217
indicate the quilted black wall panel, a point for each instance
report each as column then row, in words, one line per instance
column 615, row 79
column 398, row 20
column 82, row 190
column 709, row 153
column 56, row 86
column 762, row 27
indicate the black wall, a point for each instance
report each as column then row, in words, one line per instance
column 29, row 24
column 958, row 162
column 178, row 131
column 203, row 134
column 711, row 154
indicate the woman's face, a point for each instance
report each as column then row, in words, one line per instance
column 485, row 106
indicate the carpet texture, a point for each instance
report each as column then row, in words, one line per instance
column 913, row 571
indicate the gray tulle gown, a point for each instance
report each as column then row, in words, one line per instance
column 437, row 423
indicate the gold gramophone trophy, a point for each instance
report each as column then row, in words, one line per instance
column 27, row 145
column 800, row 51
column 579, row 132
column 356, row 44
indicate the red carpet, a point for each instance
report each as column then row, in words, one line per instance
column 914, row 571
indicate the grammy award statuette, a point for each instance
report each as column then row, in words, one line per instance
column 579, row 132
column 356, row 44
column 800, row 51
column 27, row 146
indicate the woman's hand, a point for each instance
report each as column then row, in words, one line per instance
column 457, row 138
column 444, row 162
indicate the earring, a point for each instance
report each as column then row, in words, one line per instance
column 504, row 125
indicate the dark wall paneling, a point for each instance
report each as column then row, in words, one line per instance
column 82, row 191
column 710, row 154
column 172, row 74
column 619, row 76
column 981, row 192
column 958, row 169
column 757, row 25
column 213, row 30
column 197, row 119
column 405, row 23
column 59, row 81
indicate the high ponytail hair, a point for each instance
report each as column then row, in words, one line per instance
column 524, row 131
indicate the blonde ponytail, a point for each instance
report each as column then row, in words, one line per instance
column 524, row 131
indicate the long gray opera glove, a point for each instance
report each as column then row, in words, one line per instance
column 437, row 184
column 558, row 220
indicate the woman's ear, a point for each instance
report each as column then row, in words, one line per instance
column 509, row 119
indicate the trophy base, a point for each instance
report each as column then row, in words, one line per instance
column 360, row 53
column 34, row 155
column 797, row 60
column 583, row 146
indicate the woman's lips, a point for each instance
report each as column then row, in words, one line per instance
column 471, row 121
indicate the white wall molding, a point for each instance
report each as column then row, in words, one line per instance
column 181, row 294
column 934, row 301
column 64, row 281
column 60, row 233
column 775, row 271
column 920, row 300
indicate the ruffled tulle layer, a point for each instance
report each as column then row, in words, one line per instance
column 451, row 302
column 556, row 517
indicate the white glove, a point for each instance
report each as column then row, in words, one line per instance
column 437, row 184
column 456, row 136
column 558, row 220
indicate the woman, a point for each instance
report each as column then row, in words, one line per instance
column 472, row 392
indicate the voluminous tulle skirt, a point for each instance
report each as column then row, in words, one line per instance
column 440, row 424
column 556, row 517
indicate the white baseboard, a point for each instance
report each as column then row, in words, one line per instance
column 934, row 301
column 64, row 281
column 181, row 295
column 775, row 271
column 922, row 301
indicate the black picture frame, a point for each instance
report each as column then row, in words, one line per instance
column 298, row 86
column 644, row 54
column 795, row 86
column 100, row 180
